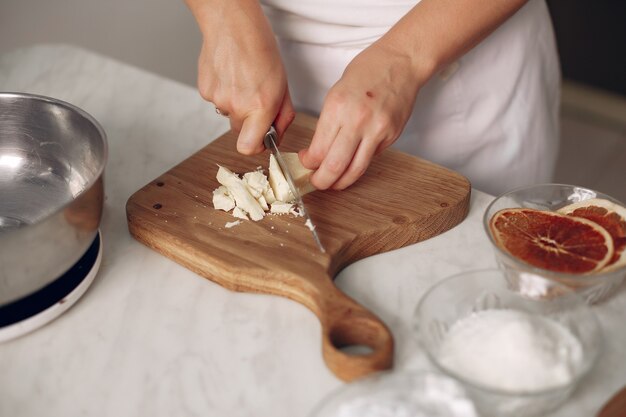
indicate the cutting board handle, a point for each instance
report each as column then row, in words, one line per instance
column 355, row 342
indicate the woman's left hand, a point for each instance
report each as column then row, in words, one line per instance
column 363, row 113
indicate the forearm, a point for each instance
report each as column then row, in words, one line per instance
column 437, row 32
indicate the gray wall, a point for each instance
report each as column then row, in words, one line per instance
column 158, row 35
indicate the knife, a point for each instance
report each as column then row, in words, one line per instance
column 270, row 143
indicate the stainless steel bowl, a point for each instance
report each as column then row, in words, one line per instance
column 52, row 158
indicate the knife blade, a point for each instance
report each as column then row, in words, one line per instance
column 270, row 143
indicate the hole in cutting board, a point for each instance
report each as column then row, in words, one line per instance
column 357, row 350
column 356, row 335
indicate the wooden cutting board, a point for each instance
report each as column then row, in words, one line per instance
column 616, row 406
column 399, row 201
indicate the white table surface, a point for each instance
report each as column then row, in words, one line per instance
column 150, row 338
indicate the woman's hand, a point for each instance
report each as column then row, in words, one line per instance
column 367, row 108
column 363, row 113
column 240, row 69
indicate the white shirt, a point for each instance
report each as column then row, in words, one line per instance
column 334, row 22
column 492, row 116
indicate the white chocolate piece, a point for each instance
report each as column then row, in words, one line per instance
column 256, row 182
column 240, row 214
column 279, row 207
column 268, row 194
column 238, row 189
column 259, row 187
column 222, row 200
column 263, row 202
column 301, row 175
column 296, row 212
column 232, row 224
column 279, row 183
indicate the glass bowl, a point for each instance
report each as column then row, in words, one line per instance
column 403, row 394
column 594, row 287
column 488, row 293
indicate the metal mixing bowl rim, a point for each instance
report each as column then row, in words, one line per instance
column 82, row 113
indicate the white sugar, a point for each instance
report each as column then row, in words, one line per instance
column 512, row 350
column 429, row 396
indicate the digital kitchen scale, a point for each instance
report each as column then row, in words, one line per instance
column 43, row 306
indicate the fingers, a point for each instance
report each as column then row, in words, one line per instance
column 342, row 156
column 337, row 160
column 325, row 133
column 244, row 77
column 285, row 116
column 361, row 160
column 253, row 130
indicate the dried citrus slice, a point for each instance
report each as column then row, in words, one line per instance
column 609, row 215
column 552, row 241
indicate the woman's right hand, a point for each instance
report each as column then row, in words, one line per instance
column 240, row 69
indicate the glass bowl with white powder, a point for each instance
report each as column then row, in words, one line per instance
column 516, row 353
column 398, row 394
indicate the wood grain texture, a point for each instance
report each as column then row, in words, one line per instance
column 401, row 200
column 616, row 406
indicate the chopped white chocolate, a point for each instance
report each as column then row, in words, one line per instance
column 269, row 195
column 240, row 214
column 309, row 224
column 254, row 194
column 237, row 188
column 295, row 211
column 222, row 200
column 279, row 183
column 279, row 207
column 232, row 224
column 257, row 183
column 299, row 173
column 263, row 202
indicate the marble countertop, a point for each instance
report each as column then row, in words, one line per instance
column 150, row 338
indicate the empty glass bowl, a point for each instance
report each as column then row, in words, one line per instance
column 484, row 293
column 594, row 287
column 403, row 394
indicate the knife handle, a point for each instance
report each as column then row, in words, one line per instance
column 270, row 136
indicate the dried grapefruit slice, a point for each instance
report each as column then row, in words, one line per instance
column 609, row 215
column 552, row 241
